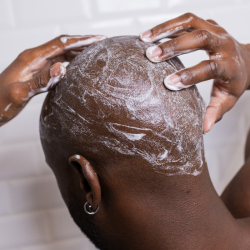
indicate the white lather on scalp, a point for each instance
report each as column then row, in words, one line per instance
column 113, row 87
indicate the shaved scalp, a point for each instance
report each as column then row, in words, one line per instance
column 112, row 104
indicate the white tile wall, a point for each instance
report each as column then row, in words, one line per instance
column 23, row 229
column 32, row 214
column 62, row 229
column 6, row 14
column 108, row 6
column 47, row 12
column 37, row 192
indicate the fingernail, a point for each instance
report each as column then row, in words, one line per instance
column 56, row 77
column 54, row 70
column 153, row 53
column 57, row 70
column 173, row 82
column 156, row 52
column 145, row 36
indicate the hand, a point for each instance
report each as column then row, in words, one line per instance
column 228, row 64
column 32, row 72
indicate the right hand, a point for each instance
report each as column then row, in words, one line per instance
column 32, row 72
column 229, row 63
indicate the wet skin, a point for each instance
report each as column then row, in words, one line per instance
column 228, row 62
column 32, row 70
column 236, row 196
column 140, row 207
column 28, row 74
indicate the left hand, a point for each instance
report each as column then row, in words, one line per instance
column 32, row 72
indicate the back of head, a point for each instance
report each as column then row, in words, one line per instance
column 112, row 106
column 113, row 109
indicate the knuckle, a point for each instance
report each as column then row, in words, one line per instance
column 189, row 16
column 168, row 47
column 213, row 69
column 23, row 56
column 40, row 81
column 211, row 21
column 16, row 93
column 187, row 76
column 204, row 36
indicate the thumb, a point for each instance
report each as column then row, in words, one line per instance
column 210, row 118
column 217, row 107
column 47, row 79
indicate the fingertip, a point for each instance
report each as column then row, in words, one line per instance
column 207, row 126
column 173, row 82
column 153, row 53
column 146, row 36
column 209, row 120
column 57, row 70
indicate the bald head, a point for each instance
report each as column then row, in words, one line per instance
column 112, row 106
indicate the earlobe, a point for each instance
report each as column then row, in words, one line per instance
column 89, row 181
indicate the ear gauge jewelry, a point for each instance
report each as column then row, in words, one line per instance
column 88, row 209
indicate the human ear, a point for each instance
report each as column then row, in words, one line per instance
column 89, row 181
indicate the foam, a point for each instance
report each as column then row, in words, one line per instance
column 122, row 106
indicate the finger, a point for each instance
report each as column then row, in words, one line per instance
column 212, row 21
column 57, row 47
column 185, row 22
column 68, row 56
column 47, row 79
column 71, row 55
column 181, row 33
column 196, row 40
column 74, row 42
column 64, row 43
column 220, row 103
column 206, row 70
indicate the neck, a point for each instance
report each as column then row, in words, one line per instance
column 186, row 214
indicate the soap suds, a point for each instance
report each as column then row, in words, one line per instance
column 65, row 39
column 81, row 43
column 6, row 109
column 162, row 35
column 123, row 106
column 176, row 86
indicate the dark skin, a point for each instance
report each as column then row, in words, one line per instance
column 228, row 62
column 139, row 208
column 236, row 195
column 176, row 212
column 30, row 73
column 176, row 217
